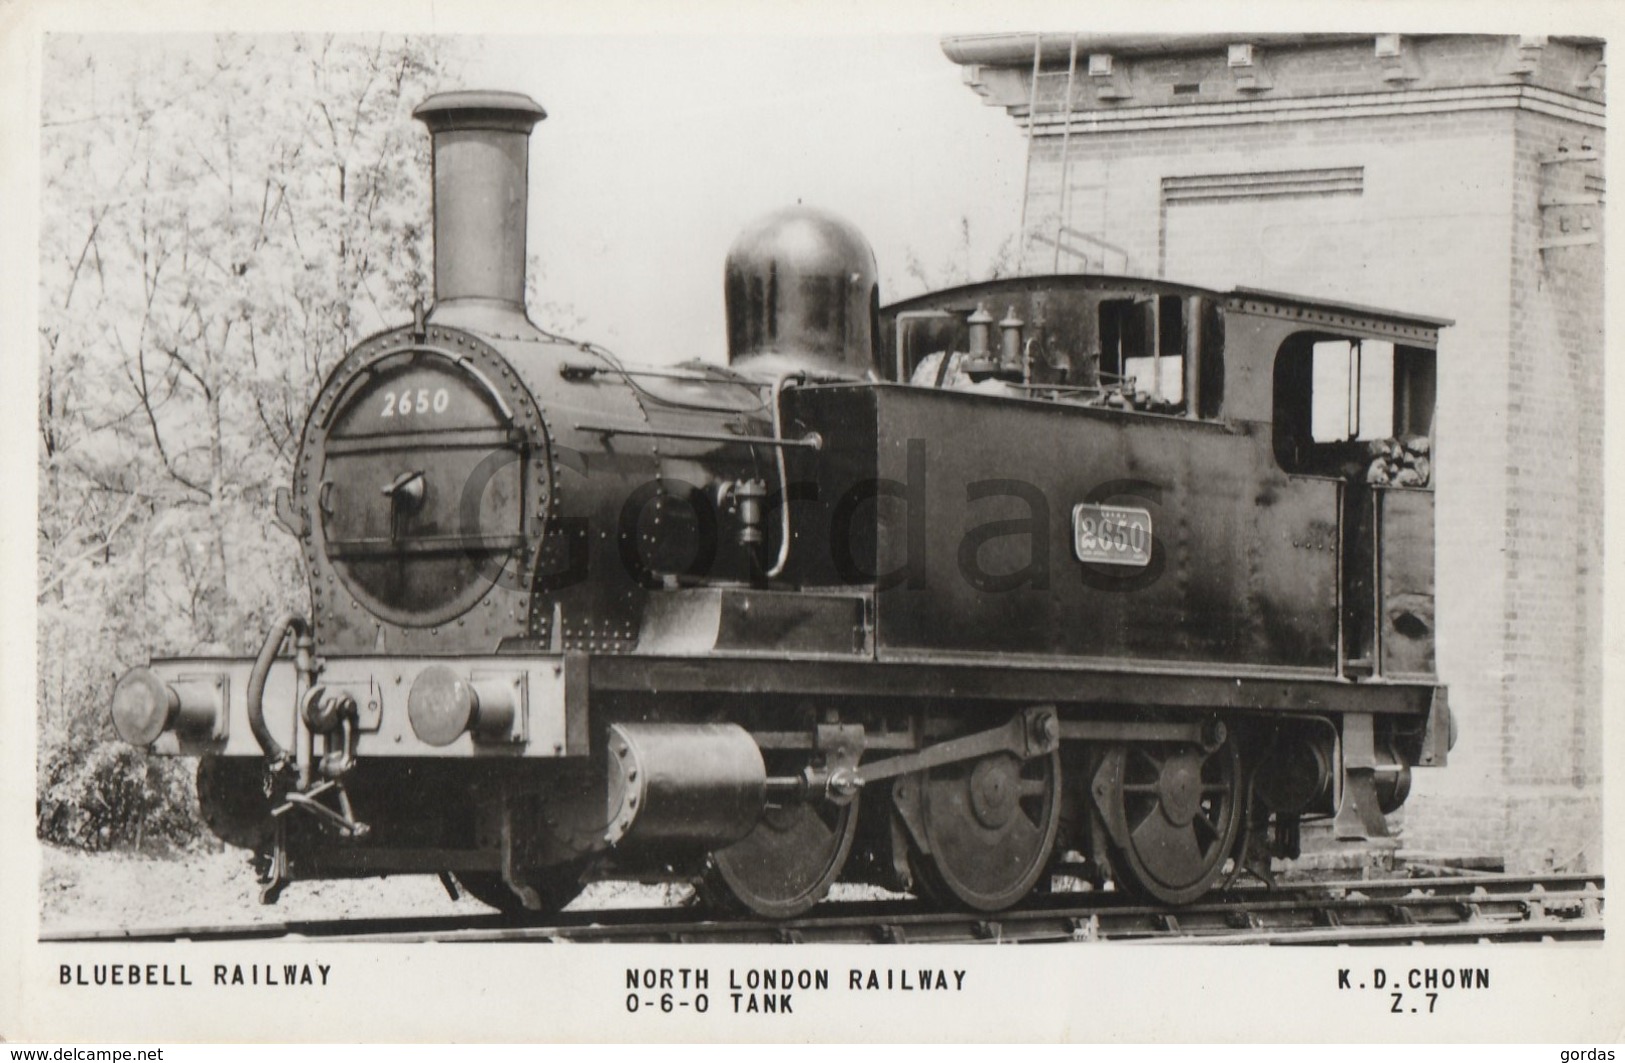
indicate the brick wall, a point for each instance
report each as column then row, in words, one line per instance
column 1547, row 786
column 1418, row 186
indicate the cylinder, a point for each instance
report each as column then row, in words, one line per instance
column 481, row 177
column 701, row 784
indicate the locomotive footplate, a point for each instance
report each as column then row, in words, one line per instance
column 1006, row 679
column 642, row 781
column 532, row 706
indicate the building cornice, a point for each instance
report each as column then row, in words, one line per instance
column 1320, row 108
column 1141, row 81
column 1016, row 49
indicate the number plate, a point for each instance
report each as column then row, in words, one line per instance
column 1112, row 535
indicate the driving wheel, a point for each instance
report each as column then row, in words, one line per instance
column 990, row 826
column 1172, row 812
column 787, row 863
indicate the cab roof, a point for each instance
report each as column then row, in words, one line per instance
column 1120, row 282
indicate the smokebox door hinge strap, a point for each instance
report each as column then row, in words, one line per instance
column 288, row 517
column 420, row 327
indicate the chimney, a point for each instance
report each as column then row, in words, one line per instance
column 481, row 171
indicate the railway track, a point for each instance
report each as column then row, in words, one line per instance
column 1366, row 912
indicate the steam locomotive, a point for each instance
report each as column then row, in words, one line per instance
column 1107, row 571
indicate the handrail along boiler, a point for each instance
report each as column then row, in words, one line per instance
column 932, row 596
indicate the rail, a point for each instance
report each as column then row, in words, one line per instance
column 1365, row 912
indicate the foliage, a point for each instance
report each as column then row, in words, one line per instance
column 222, row 218
column 116, row 795
column 969, row 264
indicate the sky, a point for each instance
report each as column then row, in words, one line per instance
column 657, row 151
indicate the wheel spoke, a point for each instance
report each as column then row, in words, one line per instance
column 1173, row 852
column 1149, row 757
column 1142, row 811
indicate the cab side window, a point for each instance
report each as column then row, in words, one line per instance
column 1356, row 407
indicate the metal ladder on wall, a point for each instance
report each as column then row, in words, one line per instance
column 1061, row 103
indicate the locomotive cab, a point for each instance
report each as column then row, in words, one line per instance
column 1289, row 510
column 1338, row 401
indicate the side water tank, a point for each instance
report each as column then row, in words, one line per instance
column 802, row 293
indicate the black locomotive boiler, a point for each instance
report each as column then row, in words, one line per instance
column 1105, row 570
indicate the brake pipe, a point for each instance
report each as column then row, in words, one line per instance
column 262, row 669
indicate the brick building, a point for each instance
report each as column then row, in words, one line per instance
column 1454, row 176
